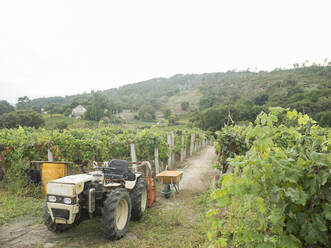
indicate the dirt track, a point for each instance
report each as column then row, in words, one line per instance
column 199, row 170
column 29, row 232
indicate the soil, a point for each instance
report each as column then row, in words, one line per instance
column 198, row 170
column 28, row 231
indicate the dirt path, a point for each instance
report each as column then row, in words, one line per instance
column 198, row 171
column 177, row 214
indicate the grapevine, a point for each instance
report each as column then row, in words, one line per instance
column 280, row 190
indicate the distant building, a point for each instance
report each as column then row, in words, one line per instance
column 79, row 111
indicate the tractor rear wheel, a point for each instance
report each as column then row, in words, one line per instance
column 139, row 198
column 116, row 213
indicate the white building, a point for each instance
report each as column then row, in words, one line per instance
column 78, row 111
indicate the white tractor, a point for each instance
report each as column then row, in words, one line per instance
column 112, row 191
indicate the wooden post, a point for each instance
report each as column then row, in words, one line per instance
column 173, row 158
column 133, row 158
column 50, row 156
column 169, row 144
column 162, row 167
column 157, row 167
column 182, row 155
column 192, row 144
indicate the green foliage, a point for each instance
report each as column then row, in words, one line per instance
column 13, row 205
column 229, row 143
column 173, row 120
column 97, row 108
column 19, row 146
column 67, row 111
column 184, row 105
column 23, row 103
column 279, row 192
column 166, row 114
column 5, row 107
column 146, row 112
column 61, row 125
column 148, row 139
column 26, row 118
column 246, row 94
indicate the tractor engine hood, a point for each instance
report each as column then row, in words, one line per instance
column 69, row 185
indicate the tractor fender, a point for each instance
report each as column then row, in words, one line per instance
column 130, row 184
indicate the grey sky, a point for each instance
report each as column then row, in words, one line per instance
column 50, row 48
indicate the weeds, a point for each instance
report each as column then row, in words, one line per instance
column 14, row 205
column 18, row 198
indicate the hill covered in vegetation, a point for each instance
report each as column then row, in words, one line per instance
column 211, row 99
column 243, row 95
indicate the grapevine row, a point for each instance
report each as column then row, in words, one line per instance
column 278, row 190
column 20, row 146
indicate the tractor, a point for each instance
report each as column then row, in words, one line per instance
column 111, row 191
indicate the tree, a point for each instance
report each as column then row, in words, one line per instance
column 97, row 107
column 173, row 120
column 166, row 114
column 27, row 118
column 23, row 103
column 146, row 112
column 184, row 105
column 261, row 99
column 67, row 111
column 55, row 109
column 5, row 107
column 61, row 125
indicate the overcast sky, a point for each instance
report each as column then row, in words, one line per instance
column 50, row 48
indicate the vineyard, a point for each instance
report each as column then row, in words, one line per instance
column 82, row 146
column 276, row 186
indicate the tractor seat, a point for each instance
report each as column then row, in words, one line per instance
column 119, row 170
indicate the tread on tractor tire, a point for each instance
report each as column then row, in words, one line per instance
column 54, row 227
column 139, row 198
column 116, row 214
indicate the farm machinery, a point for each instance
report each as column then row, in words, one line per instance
column 111, row 191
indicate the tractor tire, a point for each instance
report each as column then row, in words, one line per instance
column 54, row 227
column 139, row 199
column 116, row 214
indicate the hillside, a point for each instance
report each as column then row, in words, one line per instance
column 212, row 96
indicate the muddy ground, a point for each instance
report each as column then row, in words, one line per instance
column 28, row 231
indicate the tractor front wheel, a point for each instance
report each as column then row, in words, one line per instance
column 116, row 214
column 51, row 226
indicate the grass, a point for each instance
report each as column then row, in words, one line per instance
column 51, row 121
column 13, row 205
column 193, row 97
column 182, row 225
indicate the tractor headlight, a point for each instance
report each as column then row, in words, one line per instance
column 67, row 200
column 52, row 198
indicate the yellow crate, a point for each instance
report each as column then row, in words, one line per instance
column 51, row 171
